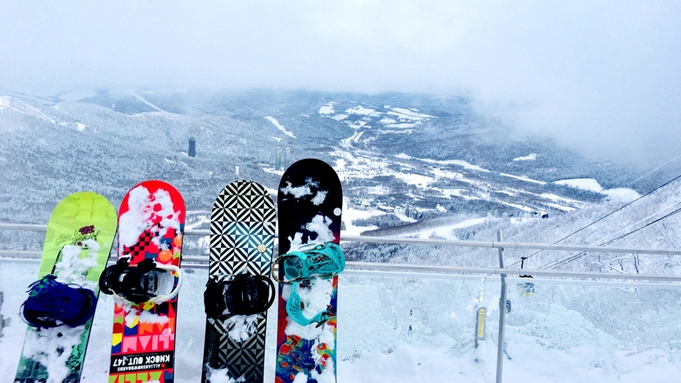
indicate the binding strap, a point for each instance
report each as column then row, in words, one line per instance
column 243, row 295
column 51, row 303
column 127, row 282
column 294, row 308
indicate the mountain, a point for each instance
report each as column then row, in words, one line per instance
column 408, row 162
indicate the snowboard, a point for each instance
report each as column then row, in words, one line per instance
column 150, row 226
column 78, row 241
column 309, row 212
column 241, row 239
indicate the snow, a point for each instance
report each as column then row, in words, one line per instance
column 445, row 231
column 347, row 142
column 72, row 268
column 142, row 207
column 145, row 101
column 518, row 206
column 622, row 194
column 360, row 124
column 529, row 157
column 360, row 110
column 617, row 194
column 523, row 178
column 19, row 106
column 150, row 318
column 214, row 375
column 80, row 126
column 549, row 334
column 243, row 326
column 401, row 120
column 319, row 197
column 463, row 164
column 351, row 214
column 404, row 125
column 279, row 126
column 298, row 191
column 327, row 108
column 52, row 339
column 407, row 114
column 582, row 183
column 415, row 179
column 362, row 165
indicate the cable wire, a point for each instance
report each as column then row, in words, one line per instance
column 607, row 215
column 571, row 258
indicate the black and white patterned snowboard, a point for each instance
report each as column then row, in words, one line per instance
column 242, row 235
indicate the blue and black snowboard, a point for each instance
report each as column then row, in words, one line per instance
column 309, row 213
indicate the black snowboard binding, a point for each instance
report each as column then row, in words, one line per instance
column 244, row 295
column 51, row 303
column 146, row 281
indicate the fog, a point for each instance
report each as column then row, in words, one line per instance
column 600, row 75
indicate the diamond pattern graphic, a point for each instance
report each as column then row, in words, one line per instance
column 243, row 222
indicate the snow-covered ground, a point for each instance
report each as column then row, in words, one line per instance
column 622, row 194
column 363, row 165
column 445, row 231
column 396, row 329
column 279, row 126
column 386, row 120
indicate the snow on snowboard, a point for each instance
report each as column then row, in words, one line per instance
column 239, row 290
column 309, row 216
column 61, row 304
column 145, row 282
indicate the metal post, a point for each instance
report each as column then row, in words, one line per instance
column 502, row 314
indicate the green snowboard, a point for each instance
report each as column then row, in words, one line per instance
column 79, row 236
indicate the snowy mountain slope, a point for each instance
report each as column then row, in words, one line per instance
column 449, row 161
column 650, row 222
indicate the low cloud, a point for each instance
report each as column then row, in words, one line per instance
column 600, row 75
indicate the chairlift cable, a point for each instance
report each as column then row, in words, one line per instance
column 609, row 214
column 653, row 171
column 629, row 184
column 571, row 258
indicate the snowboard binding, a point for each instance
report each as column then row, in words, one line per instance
column 146, row 281
column 243, row 295
column 324, row 261
column 51, row 303
column 300, row 268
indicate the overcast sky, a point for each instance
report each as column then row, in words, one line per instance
column 598, row 73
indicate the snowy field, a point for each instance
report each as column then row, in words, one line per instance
column 398, row 329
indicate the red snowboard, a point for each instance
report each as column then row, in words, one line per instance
column 150, row 226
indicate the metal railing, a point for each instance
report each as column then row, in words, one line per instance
column 421, row 271
column 411, row 270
